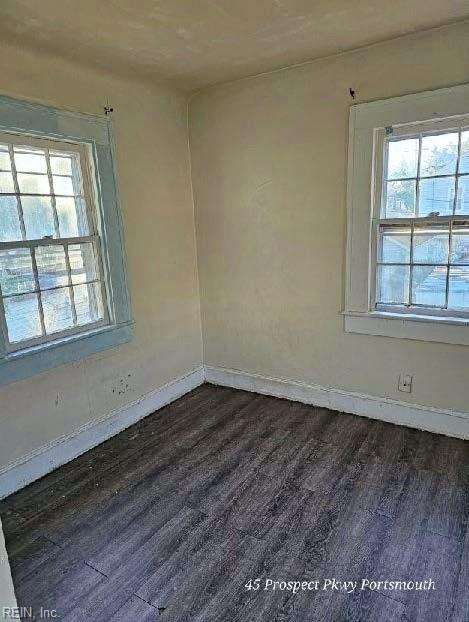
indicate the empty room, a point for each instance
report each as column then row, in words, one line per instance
column 234, row 311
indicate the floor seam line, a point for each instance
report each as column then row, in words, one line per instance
column 145, row 601
column 442, row 535
column 95, row 569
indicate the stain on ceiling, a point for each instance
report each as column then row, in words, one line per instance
column 195, row 43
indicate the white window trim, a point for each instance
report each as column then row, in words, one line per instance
column 367, row 121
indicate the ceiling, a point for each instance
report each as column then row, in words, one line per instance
column 195, row 43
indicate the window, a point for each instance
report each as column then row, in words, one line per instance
column 63, row 286
column 408, row 217
column 423, row 222
column 51, row 280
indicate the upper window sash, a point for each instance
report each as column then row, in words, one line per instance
column 382, row 137
column 82, row 149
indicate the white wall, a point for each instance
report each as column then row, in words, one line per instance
column 268, row 162
column 7, row 592
column 155, row 191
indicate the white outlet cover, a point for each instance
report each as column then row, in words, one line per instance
column 405, row 383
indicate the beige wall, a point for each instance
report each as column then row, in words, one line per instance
column 268, row 162
column 268, row 166
column 154, row 181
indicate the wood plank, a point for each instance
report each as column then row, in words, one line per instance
column 438, row 559
column 450, row 508
column 136, row 609
column 461, row 601
column 205, row 548
column 59, row 583
column 325, row 606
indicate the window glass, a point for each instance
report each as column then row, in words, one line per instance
column 50, row 279
column 423, row 262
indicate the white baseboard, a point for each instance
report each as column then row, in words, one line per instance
column 18, row 474
column 450, row 423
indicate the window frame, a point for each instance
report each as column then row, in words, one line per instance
column 92, row 216
column 91, row 135
column 368, row 125
column 414, row 130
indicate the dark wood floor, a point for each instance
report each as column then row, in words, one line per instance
column 171, row 518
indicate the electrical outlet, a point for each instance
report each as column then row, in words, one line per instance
column 405, row 383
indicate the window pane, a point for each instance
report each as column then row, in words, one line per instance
column 458, row 294
column 30, row 161
column 439, row 154
column 38, row 217
column 88, row 303
column 462, row 202
column 33, row 184
column 429, row 285
column 5, row 164
column 431, row 245
column 395, row 245
column 57, row 310
column 6, row 182
column 393, row 284
column 61, row 165
column 436, row 195
column 400, row 199
column 54, row 208
column 51, row 266
column 9, row 220
column 403, row 158
column 71, row 213
column 460, row 245
column 22, row 317
column 82, row 262
column 63, row 185
column 16, row 271
column 464, row 161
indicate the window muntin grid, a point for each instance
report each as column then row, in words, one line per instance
column 51, row 276
column 422, row 263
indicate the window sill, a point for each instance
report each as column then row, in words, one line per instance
column 418, row 327
column 25, row 363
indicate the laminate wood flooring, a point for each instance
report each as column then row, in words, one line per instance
column 172, row 518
